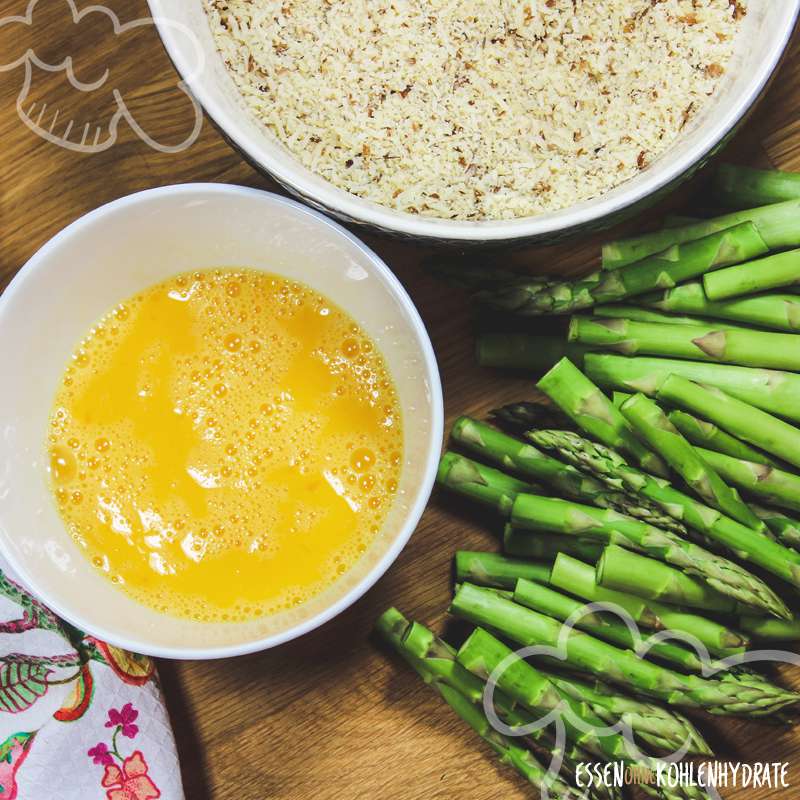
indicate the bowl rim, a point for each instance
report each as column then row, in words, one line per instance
column 290, row 173
column 44, row 256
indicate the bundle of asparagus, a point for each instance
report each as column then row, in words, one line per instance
column 746, row 695
column 723, row 285
column 667, row 506
column 599, row 542
column 435, row 662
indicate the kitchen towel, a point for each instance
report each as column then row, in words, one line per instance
column 80, row 719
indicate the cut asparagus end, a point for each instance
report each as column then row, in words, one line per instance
column 496, row 570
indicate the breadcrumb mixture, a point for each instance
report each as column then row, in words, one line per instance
column 475, row 109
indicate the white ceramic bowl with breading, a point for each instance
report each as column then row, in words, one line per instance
column 763, row 39
column 121, row 249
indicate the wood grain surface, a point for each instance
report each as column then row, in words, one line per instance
column 331, row 716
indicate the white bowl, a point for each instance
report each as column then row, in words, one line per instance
column 121, row 249
column 760, row 45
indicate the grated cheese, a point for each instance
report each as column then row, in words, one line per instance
column 471, row 109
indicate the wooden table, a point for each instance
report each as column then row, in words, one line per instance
column 329, row 716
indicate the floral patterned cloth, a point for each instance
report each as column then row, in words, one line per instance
column 79, row 718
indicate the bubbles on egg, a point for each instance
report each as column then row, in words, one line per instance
column 252, row 328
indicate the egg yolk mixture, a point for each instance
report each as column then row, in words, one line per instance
column 225, row 445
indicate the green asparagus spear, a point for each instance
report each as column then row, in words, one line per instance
column 778, row 225
column 755, row 426
column 435, row 661
column 779, row 311
column 744, row 187
column 510, row 753
column 606, row 464
column 785, row 529
column 463, row 692
column 547, row 601
column 546, row 546
column 625, row 571
column 494, row 569
column 525, row 351
column 507, row 593
column 747, row 348
column 485, row 485
column 761, row 275
column 524, row 459
column 711, row 437
column 592, row 411
column 525, row 415
column 427, row 653
column 773, row 485
column 483, row 655
column 676, row 264
column 533, row 512
column 572, row 575
column 536, row 297
column 749, row 695
column 768, row 629
column 769, row 390
column 660, row 728
column 622, row 311
column 653, row 427
column 520, row 457
column 639, row 314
